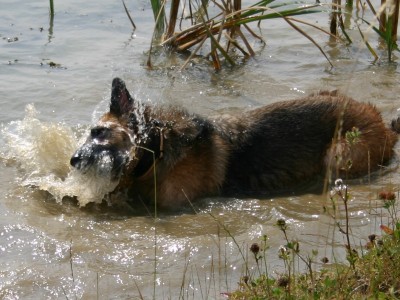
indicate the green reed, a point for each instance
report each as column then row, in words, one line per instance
column 388, row 23
column 51, row 9
column 384, row 24
column 372, row 271
column 158, row 7
column 225, row 27
column 51, row 21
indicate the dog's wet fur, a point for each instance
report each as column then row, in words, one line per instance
column 176, row 156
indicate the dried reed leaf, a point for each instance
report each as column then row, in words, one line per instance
column 308, row 37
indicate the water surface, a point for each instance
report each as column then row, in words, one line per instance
column 52, row 248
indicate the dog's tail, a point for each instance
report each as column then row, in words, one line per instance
column 395, row 125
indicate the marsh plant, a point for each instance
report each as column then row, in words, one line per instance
column 223, row 31
column 384, row 23
column 220, row 29
column 371, row 272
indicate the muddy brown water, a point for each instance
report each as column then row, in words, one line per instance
column 51, row 248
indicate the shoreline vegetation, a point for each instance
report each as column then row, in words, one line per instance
column 371, row 271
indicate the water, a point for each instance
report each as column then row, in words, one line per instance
column 51, row 247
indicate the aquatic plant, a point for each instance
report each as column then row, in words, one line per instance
column 388, row 22
column 372, row 271
column 51, row 21
column 129, row 16
column 51, row 8
column 225, row 26
column 384, row 23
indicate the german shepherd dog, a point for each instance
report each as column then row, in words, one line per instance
column 174, row 156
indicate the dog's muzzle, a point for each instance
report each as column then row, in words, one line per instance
column 99, row 161
column 83, row 158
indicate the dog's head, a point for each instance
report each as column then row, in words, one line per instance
column 132, row 136
column 110, row 145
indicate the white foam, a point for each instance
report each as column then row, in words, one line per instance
column 42, row 152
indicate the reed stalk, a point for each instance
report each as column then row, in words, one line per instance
column 225, row 30
column 51, row 9
column 387, row 17
column 158, row 7
column 129, row 16
column 172, row 18
column 51, row 21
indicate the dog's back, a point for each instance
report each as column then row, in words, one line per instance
column 286, row 143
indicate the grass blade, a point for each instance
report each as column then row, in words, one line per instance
column 129, row 16
column 308, row 37
column 51, row 9
column 159, row 16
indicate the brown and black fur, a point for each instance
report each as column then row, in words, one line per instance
column 271, row 148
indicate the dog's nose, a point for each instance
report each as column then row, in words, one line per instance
column 75, row 160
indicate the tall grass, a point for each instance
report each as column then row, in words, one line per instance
column 384, row 24
column 372, row 272
column 158, row 7
column 129, row 16
column 51, row 21
column 387, row 18
column 223, row 26
column 51, row 8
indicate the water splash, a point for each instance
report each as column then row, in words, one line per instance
column 42, row 152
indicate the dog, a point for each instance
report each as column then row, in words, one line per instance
column 168, row 155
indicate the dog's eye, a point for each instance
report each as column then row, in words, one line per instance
column 98, row 132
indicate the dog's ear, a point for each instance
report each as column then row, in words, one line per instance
column 121, row 101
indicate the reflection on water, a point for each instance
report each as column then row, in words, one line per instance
column 52, row 248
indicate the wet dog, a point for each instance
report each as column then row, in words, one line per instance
column 168, row 154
